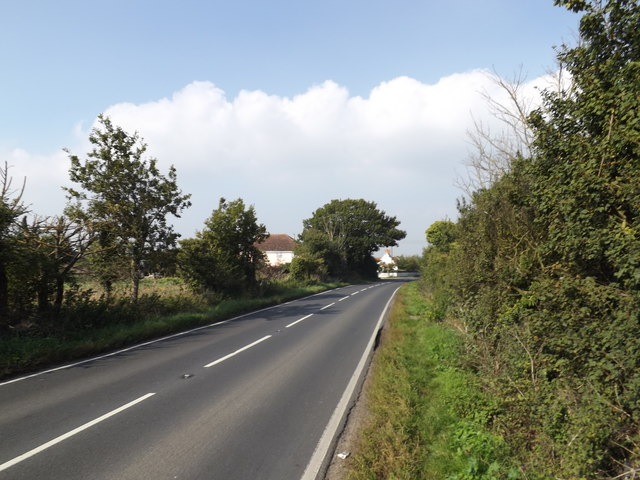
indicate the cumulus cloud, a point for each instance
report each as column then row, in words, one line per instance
column 400, row 147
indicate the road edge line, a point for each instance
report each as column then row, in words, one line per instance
column 320, row 459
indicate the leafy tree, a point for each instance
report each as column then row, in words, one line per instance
column 223, row 257
column 308, row 265
column 11, row 208
column 53, row 246
column 345, row 234
column 318, row 256
column 408, row 263
column 124, row 198
column 441, row 235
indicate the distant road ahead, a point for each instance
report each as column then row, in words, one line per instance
column 250, row 398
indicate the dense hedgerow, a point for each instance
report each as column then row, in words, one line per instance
column 543, row 267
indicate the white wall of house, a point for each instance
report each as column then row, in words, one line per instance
column 386, row 258
column 279, row 258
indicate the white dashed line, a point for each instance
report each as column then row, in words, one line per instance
column 299, row 320
column 226, row 357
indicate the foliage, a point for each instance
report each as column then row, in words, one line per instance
column 428, row 417
column 342, row 235
column 544, row 268
column 124, row 198
column 437, row 266
column 11, row 208
column 49, row 249
column 441, row 235
column 408, row 263
column 223, row 257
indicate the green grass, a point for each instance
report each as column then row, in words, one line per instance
column 28, row 351
column 427, row 415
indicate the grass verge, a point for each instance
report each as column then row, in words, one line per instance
column 20, row 354
column 427, row 415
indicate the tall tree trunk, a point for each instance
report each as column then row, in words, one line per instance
column 107, row 285
column 43, row 295
column 57, row 303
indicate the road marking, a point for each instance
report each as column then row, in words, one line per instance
column 157, row 340
column 319, row 456
column 299, row 320
column 354, row 293
column 73, row 432
column 226, row 357
column 343, row 298
column 327, row 306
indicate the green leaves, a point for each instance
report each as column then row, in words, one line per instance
column 224, row 257
column 545, row 267
column 124, row 198
column 345, row 233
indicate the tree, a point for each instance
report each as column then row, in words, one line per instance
column 441, row 234
column 11, row 208
column 125, row 200
column 494, row 152
column 345, row 233
column 53, row 246
column 408, row 263
column 223, row 257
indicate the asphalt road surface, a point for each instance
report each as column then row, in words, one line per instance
column 256, row 397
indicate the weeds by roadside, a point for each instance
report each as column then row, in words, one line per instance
column 427, row 414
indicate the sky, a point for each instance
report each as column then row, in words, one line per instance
column 285, row 104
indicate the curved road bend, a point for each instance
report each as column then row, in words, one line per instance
column 248, row 398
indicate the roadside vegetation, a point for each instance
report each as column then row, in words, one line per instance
column 541, row 271
column 110, row 271
column 165, row 306
column 428, row 416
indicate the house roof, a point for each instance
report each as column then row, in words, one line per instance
column 277, row 242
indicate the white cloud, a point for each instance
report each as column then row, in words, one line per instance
column 399, row 147
column 42, row 177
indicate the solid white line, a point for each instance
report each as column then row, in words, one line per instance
column 330, row 431
column 327, row 306
column 299, row 320
column 59, row 439
column 226, row 357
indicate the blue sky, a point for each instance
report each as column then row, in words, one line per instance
column 240, row 79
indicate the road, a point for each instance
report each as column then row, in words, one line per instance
column 256, row 397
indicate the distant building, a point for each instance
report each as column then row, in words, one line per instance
column 386, row 259
column 278, row 247
column 387, row 265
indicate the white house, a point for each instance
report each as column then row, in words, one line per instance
column 386, row 259
column 386, row 265
column 278, row 247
